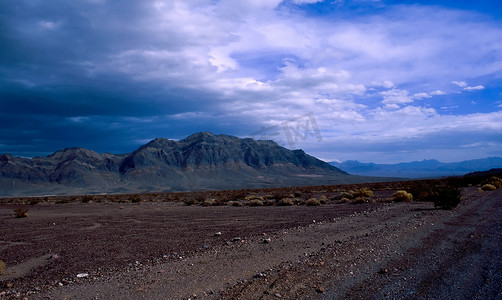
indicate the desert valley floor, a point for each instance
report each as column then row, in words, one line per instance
column 167, row 250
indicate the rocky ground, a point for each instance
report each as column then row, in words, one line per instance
column 158, row 250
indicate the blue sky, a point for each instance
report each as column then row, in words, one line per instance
column 376, row 81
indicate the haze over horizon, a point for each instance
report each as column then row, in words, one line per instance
column 368, row 80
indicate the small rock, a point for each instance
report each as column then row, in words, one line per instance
column 236, row 239
column 83, row 275
column 383, row 271
column 320, row 290
column 217, row 233
column 9, row 285
column 267, row 240
column 278, row 295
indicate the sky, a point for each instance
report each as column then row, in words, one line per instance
column 379, row 81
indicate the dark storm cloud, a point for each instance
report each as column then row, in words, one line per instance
column 110, row 75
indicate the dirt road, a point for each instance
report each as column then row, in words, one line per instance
column 336, row 251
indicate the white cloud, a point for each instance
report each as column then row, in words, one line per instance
column 396, row 96
column 422, row 95
column 460, row 83
column 474, row 88
column 438, row 93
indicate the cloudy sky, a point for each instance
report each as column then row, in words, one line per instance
column 374, row 80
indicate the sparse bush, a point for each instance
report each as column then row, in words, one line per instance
column 445, row 197
column 364, row 192
column 208, row 202
column 298, row 194
column 347, row 194
column 21, row 212
column 34, row 202
column 2, row 267
column 313, row 202
column 345, row 200
column 255, row 202
column 191, row 201
column 286, row 202
column 494, row 181
column 87, row 199
column 488, row 187
column 323, row 199
column 235, row 203
column 360, row 200
column 134, row 198
column 402, row 196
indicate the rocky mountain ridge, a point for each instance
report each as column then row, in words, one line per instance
column 200, row 161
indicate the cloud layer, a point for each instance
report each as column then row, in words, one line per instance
column 383, row 82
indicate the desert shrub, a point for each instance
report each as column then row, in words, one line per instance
column 313, row 202
column 402, row 196
column 34, row 202
column 445, row 197
column 347, row 194
column 488, row 187
column 360, row 200
column 298, row 194
column 208, row 202
column 134, row 198
column 191, row 201
column 345, row 200
column 235, row 203
column 421, row 190
column 86, row 199
column 323, row 199
column 494, row 181
column 364, row 192
column 21, row 212
column 2, row 267
column 255, row 202
column 286, row 202
column 269, row 203
column 63, row 201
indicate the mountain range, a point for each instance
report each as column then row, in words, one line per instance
column 419, row 169
column 201, row 161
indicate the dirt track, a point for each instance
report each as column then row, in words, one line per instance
column 163, row 251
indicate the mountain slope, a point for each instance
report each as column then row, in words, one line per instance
column 200, row 161
column 419, row 169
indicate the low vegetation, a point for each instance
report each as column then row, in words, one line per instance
column 402, row 196
column 2, row 267
column 313, row 202
column 446, row 197
column 488, row 187
column 21, row 212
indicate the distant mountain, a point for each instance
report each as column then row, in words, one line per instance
column 199, row 162
column 419, row 169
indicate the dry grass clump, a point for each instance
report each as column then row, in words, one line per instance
column 364, row 192
column 313, row 202
column 255, row 202
column 286, row 202
column 323, row 199
column 359, row 200
column 495, row 181
column 2, row 267
column 402, row 196
column 208, row 202
column 345, row 200
column 488, row 187
column 21, row 212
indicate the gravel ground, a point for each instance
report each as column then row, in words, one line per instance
column 334, row 251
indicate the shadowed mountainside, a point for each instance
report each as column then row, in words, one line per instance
column 199, row 162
